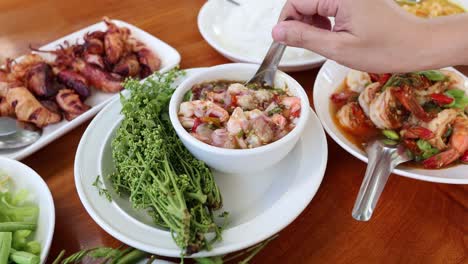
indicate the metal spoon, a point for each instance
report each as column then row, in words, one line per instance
column 382, row 160
column 13, row 136
column 265, row 75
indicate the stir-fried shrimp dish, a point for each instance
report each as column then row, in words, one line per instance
column 230, row 115
column 426, row 112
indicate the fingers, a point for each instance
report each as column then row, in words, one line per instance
column 298, row 9
column 302, row 35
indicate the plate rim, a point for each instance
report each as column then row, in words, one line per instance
column 316, row 179
column 360, row 156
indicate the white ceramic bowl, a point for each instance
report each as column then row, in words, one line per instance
column 212, row 14
column 26, row 178
column 239, row 160
column 329, row 78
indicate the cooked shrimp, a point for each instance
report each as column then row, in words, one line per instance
column 238, row 122
column 263, row 95
column 237, row 89
column 293, row 104
column 352, row 118
column 200, row 108
column 406, row 97
column 262, row 129
column 368, row 95
column 247, row 101
column 186, row 109
column 221, row 138
column 187, row 122
column 357, row 80
column 439, row 126
column 457, row 147
column 384, row 112
column 279, row 120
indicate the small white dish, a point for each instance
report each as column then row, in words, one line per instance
column 260, row 204
column 169, row 59
column 26, row 178
column 238, row 160
column 214, row 12
column 329, row 78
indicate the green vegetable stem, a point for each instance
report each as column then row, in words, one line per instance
column 5, row 247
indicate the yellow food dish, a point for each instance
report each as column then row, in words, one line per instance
column 432, row 8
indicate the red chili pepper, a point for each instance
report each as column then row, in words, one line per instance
column 418, row 132
column 233, row 101
column 412, row 146
column 441, row 99
column 381, row 78
column 296, row 113
column 196, row 124
column 464, row 157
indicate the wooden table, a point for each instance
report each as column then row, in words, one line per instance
column 416, row 222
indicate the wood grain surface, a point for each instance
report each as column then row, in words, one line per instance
column 415, row 222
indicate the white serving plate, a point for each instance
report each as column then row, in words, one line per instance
column 26, row 178
column 209, row 18
column 329, row 78
column 260, row 204
column 169, row 59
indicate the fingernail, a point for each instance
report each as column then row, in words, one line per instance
column 279, row 33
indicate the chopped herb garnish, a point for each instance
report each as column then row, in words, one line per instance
column 275, row 110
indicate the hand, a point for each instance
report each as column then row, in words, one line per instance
column 373, row 35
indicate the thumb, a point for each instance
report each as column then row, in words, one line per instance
column 302, row 35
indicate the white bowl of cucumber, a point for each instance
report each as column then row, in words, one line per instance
column 27, row 213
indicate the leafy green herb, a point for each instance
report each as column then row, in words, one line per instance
column 275, row 110
column 157, row 172
column 188, row 96
column 102, row 191
column 433, row 75
column 390, row 134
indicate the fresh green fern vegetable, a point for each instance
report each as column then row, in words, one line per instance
column 157, row 172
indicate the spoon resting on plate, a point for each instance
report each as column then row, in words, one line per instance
column 12, row 135
column 383, row 158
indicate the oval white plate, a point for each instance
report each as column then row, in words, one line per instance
column 329, row 78
column 26, row 178
column 260, row 205
column 208, row 25
column 169, row 59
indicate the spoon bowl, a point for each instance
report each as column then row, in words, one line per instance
column 13, row 135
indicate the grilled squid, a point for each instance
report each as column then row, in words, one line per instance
column 28, row 109
column 41, row 81
column 97, row 77
column 128, row 66
column 75, row 81
column 114, row 41
column 70, row 103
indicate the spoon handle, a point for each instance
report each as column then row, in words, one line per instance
column 266, row 72
column 381, row 163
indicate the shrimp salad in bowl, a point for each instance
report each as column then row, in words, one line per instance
column 426, row 112
column 230, row 115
